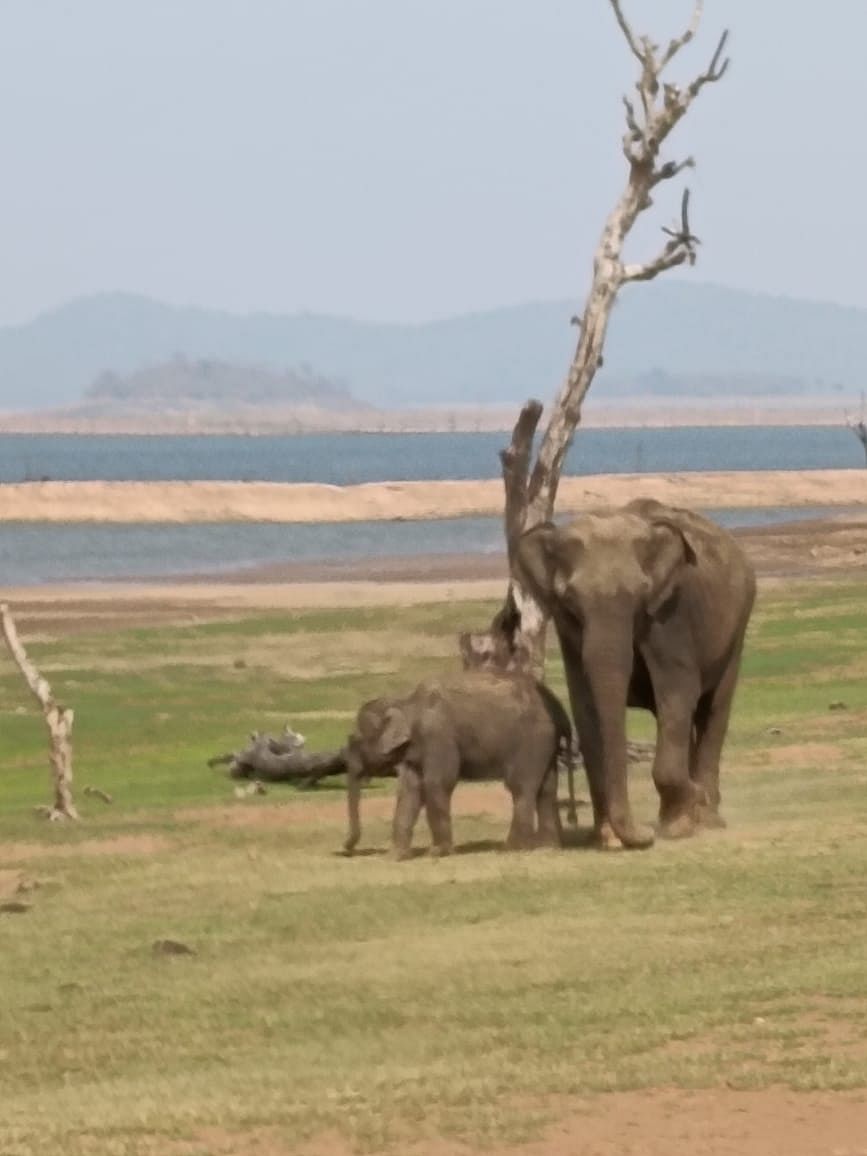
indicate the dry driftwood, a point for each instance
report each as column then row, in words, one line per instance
column 281, row 760
column 530, row 493
column 58, row 719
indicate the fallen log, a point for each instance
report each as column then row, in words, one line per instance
column 281, row 760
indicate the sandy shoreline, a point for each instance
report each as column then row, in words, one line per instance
column 208, row 502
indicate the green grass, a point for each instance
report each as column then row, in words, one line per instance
column 389, row 1001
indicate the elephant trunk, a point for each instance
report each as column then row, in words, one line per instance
column 607, row 661
column 353, row 802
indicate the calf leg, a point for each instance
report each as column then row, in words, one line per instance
column 550, row 832
column 410, row 795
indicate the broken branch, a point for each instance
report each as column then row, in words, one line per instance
column 679, row 249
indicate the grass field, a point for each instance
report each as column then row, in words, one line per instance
column 378, row 1001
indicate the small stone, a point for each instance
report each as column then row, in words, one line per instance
column 775, row 730
column 171, row 947
column 837, row 705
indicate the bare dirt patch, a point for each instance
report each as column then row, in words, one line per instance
column 41, row 615
column 329, row 807
column 718, row 1122
column 120, row 845
column 11, row 883
column 810, row 547
column 824, row 755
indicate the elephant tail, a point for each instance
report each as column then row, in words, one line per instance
column 566, row 754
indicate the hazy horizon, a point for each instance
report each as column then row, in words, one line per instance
column 401, row 161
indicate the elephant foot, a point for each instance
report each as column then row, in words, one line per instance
column 439, row 851
column 713, row 820
column 605, row 839
column 548, row 839
column 401, row 854
column 633, row 836
column 677, row 827
column 524, row 842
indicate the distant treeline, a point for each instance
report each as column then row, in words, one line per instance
column 184, row 381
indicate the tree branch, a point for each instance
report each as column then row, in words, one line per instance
column 679, row 42
column 642, row 142
column 671, row 169
column 627, row 31
column 679, row 249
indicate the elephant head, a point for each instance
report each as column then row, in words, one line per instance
column 604, row 578
column 382, row 735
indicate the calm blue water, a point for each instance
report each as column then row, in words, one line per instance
column 40, row 553
column 46, row 553
column 343, row 459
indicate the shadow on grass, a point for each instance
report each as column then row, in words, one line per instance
column 574, row 839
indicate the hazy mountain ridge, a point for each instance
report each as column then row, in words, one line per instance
column 673, row 338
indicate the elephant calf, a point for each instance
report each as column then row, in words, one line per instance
column 476, row 725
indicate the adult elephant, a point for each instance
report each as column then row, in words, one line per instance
column 650, row 605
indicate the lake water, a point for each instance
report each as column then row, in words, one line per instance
column 42, row 553
column 344, row 459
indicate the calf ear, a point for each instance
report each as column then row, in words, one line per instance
column 666, row 557
column 395, row 731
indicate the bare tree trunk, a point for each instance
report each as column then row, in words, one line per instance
column 859, row 429
column 58, row 719
column 531, row 495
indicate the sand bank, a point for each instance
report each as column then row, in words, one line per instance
column 178, row 502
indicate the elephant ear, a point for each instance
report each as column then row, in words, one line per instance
column 534, row 558
column 666, row 557
column 546, row 557
column 395, row 733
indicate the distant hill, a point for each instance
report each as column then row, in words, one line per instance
column 670, row 339
column 183, row 383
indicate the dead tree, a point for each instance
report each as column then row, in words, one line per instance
column 859, row 429
column 58, row 719
column 531, row 493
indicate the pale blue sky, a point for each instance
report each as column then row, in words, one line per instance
column 403, row 159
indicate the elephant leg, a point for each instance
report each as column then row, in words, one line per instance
column 438, row 807
column 410, row 795
column 522, row 833
column 711, row 725
column 550, row 831
column 594, row 767
column 678, row 794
